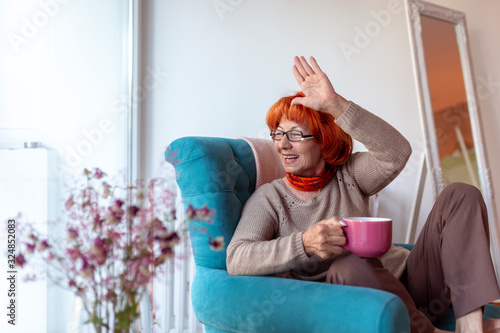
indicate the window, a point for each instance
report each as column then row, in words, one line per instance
column 64, row 87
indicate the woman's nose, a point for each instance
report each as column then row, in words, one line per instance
column 285, row 143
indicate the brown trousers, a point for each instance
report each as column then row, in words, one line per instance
column 450, row 263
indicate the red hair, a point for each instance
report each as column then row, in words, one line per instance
column 336, row 144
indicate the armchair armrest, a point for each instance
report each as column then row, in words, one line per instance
column 251, row 303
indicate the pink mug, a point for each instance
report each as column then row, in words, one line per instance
column 368, row 237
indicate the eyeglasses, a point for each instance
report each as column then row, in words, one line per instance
column 293, row 135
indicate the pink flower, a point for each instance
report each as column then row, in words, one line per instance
column 118, row 204
column 98, row 174
column 113, row 217
column 87, row 269
column 69, row 203
column 42, row 246
column 20, row 260
column 156, row 223
column 110, row 296
column 71, row 283
column 204, row 214
column 30, row 248
column 151, row 190
column 86, row 172
column 140, row 195
column 167, row 239
column 132, row 212
column 173, row 212
column 190, row 212
column 72, row 234
column 73, row 253
column 97, row 221
column 106, row 191
column 172, row 156
column 114, row 236
column 217, row 243
column 116, row 210
column 99, row 242
column 98, row 252
column 166, row 254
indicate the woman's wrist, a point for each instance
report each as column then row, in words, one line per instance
column 304, row 244
column 338, row 106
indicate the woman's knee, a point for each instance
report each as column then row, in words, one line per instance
column 460, row 195
column 463, row 191
column 348, row 269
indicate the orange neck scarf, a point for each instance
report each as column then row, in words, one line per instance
column 311, row 183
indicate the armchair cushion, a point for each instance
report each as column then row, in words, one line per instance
column 267, row 162
column 269, row 304
column 219, row 173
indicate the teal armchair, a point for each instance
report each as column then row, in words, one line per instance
column 222, row 174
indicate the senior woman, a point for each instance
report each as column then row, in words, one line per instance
column 291, row 227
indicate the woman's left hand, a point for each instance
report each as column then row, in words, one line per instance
column 317, row 88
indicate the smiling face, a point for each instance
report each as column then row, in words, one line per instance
column 301, row 158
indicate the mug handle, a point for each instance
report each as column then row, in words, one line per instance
column 346, row 245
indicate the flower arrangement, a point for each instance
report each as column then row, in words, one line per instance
column 116, row 240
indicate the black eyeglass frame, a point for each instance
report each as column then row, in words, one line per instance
column 303, row 137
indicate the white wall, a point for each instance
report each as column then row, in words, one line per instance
column 227, row 61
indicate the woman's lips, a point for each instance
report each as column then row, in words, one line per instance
column 289, row 159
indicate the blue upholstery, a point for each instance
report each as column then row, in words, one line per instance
column 215, row 172
column 221, row 174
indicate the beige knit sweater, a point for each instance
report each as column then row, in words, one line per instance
column 268, row 238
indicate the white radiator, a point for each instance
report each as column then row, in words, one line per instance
column 172, row 310
column 171, row 292
column 24, row 187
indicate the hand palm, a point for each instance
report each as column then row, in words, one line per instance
column 317, row 90
column 314, row 83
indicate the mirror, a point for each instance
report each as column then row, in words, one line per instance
column 455, row 143
column 447, row 100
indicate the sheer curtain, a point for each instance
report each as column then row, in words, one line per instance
column 63, row 92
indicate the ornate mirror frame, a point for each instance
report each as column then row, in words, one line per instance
column 415, row 9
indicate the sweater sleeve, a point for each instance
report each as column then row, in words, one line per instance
column 388, row 150
column 254, row 248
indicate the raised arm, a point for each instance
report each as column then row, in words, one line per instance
column 388, row 149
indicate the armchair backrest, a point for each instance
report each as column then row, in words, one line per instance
column 219, row 173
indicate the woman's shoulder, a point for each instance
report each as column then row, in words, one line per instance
column 345, row 169
column 273, row 188
column 266, row 197
column 268, row 194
